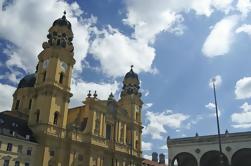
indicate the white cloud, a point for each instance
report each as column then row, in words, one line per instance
column 217, row 83
column 11, row 76
column 243, row 118
column 223, row 5
column 244, row 28
column 149, row 157
column 145, row 92
column 33, row 25
column 164, row 147
column 117, row 52
column 158, row 121
column 221, row 37
column 211, row 107
column 150, row 17
column 244, row 6
column 6, row 96
column 146, row 106
column 193, row 122
column 243, row 88
column 146, row 146
column 81, row 88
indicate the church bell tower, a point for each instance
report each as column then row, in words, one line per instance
column 53, row 78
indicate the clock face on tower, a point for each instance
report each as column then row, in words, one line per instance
column 63, row 66
column 45, row 64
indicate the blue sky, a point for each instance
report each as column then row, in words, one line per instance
column 176, row 46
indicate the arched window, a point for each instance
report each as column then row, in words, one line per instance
column 44, row 76
column 55, row 121
column 61, row 78
column 37, row 115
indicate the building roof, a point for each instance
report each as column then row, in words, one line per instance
column 151, row 163
column 209, row 138
column 13, row 126
column 27, row 81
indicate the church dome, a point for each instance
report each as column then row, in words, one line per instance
column 62, row 22
column 131, row 78
column 131, row 74
column 27, row 81
column 130, row 83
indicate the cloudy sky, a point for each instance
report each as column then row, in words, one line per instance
column 176, row 46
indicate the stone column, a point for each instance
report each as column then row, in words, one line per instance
column 104, row 128
column 125, row 133
column 101, row 125
column 93, row 121
column 119, row 127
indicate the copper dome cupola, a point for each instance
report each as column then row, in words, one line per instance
column 62, row 22
column 60, row 35
column 27, row 81
column 131, row 84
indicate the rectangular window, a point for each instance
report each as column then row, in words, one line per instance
column 108, row 131
column 9, row 147
column 0, row 144
column 30, row 102
column 44, row 76
column 27, row 164
column 137, row 116
column 6, row 162
column 29, row 152
column 97, row 124
column 52, row 153
column 19, row 148
column 61, row 78
column 17, row 163
column 80, row 157
column 17, row 104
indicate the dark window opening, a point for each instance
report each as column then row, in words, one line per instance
column 27, row 164
column 28, row 152
column 55, row 121
column 30, row 102
column 17, row 163
column 9, row 147
column 6, row 162
column 61, row 78
column 44, row 76
column 52, row 153
column 80, row 157
column 136, row 144
column 108, row 131
column 137, row 116
column 17, row 104
column 58, row 42
column 37, row 116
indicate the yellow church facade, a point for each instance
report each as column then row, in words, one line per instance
column 43, row 131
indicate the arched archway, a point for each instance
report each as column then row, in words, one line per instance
column 213, row 158
column 184, row 159
column 242, row 157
